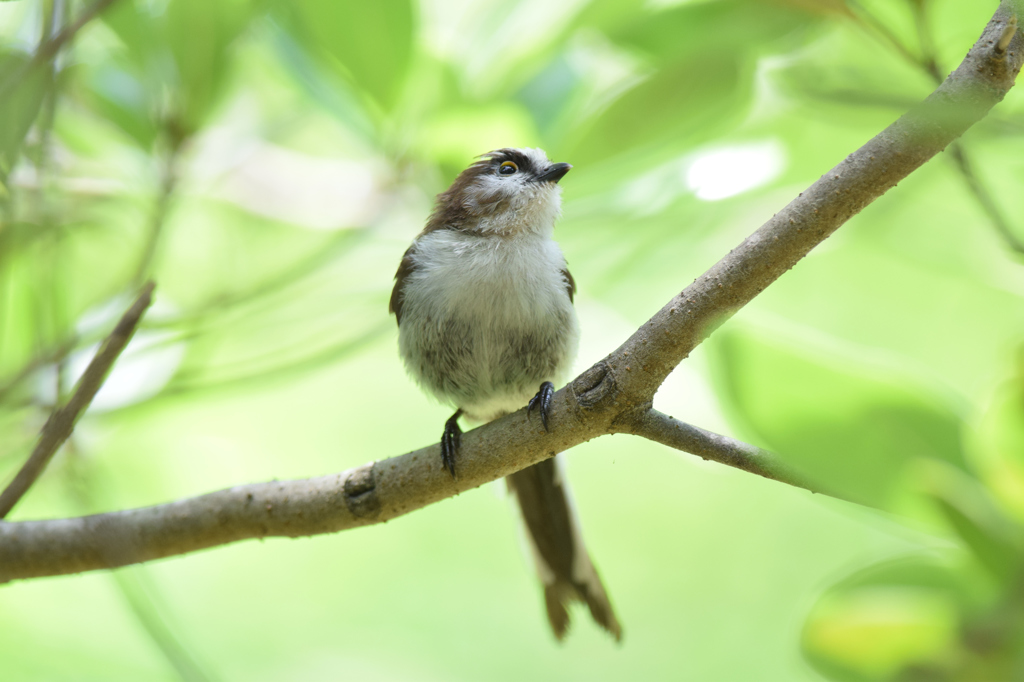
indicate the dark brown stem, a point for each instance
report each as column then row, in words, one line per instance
column 61, row 423
column 48, row 49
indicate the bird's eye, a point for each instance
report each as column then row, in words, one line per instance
column 507, row 168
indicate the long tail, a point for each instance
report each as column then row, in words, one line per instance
column 562, row 560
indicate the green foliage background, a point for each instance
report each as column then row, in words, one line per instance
column 267, row 163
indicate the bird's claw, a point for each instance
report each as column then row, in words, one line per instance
column 542, row 401
column 450, row 442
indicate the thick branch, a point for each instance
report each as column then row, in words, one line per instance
column 614, row 396
column 60, row 424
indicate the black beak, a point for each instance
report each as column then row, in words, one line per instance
column 554, row 172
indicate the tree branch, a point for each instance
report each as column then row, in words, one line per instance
column 984, row 198
column 715, row 447
column 49, row 49
column 60, row 424
column 613, row 396
column 928, row 62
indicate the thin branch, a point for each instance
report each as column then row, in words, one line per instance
column 136, row 593
column 61, row 423
column 49, row 48
column 168, row 183
column 987, row 202
column 881, row 31
column 928, row 61
column 142, row 595
column 715, row 447
column 613, row 396
column 55, row 354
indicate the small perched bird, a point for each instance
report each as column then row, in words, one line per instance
column 483, row 300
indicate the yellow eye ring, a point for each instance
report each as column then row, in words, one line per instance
column 507, row 168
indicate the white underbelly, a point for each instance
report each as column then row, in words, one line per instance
column 484, row 337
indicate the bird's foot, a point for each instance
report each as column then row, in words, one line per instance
column 450, row 442
column 542, row 401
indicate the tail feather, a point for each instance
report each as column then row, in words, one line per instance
column 562, row 560
column 558, row 613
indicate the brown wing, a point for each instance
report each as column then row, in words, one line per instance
column 405, row 268
column 570, row 283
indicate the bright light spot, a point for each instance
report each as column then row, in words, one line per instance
column 283, row 184
column 727, row 171
column 711, row 174
column 142, row 370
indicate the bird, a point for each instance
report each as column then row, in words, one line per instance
column 483, row 299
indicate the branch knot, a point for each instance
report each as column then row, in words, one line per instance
column 361, row 492
column 594, row 386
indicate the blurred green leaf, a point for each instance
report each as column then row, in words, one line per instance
column 876, row 622
column 824, row 7
column 854, row 70
column 19, row 105
column 1000, row 445
column 973, row 516
column 704, row 56
column 997, row 555
column 143, row 35
column 371, row 41
column 679, row 106
column 850, row 429
column 121, row 98
column 709, row 29
column 199, row 34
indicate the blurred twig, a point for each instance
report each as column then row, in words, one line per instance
column 988, row 204
column 142, row 596
column 60, row 424
column 48, row 49
column 276, row 285
column 267, row 368
column 927, row 61
column 55, row 354
column 218, row 311
column 168, row 183
column 137, row 589
column 866, row 18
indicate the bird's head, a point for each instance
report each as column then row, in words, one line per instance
column 507, row 192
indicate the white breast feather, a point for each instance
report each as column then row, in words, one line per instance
column 500, row 283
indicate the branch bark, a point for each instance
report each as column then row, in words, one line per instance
column 61, row 423
column 613, row 396
column 715, row 447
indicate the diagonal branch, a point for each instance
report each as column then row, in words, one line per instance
column 928, row 62
column 715, row 447
column 967, row 94
column 613, row 396
column 984, row 198
column 60, row 424
column 49, row 49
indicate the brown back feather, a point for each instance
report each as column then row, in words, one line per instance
column 570, row 283
column 405, row 268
